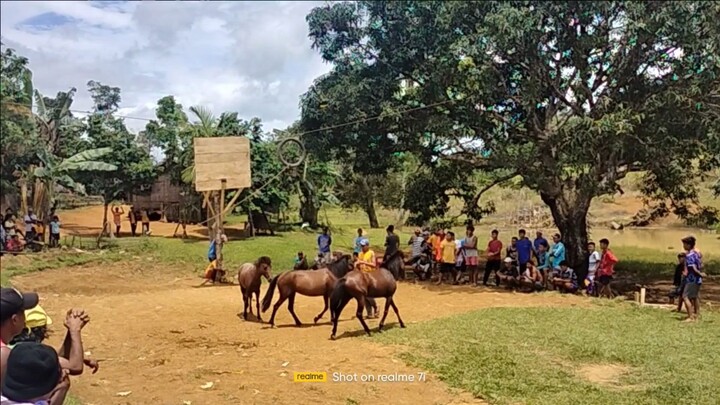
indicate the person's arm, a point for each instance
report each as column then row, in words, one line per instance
column 329, row 241
column 72, row 348
column 57, row 397
column 4, row 354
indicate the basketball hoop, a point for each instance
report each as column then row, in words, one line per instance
column 285, row 152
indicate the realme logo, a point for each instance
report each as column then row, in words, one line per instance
column 310, row 376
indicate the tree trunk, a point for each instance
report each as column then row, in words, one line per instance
column 369, row 204
column 309, row 212
column 569, row 211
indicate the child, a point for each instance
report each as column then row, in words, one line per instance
column 566, row 281
column 459, row 260
column 55, row 231
column 447, row 256
column 678, row 281
column 593, row 266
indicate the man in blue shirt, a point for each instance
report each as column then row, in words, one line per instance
column 557, row 252
column 538, row 241
column 693, row 279
column 524, row 250
column 324, row 242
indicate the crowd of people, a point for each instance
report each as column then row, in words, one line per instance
column 523, row 264
column 31, row 235
column 32, row 372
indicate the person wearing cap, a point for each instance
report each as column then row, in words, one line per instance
column 34, row 376
column 367, row 263
column 693, row 278
column 37, row 322
column 13, row 305
column 508, row 274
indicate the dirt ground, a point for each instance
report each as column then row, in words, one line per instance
column 160, row 339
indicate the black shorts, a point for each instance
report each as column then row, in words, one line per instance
column 691, row 291
column 447, row 267
column 493, row 265
column 605, row 280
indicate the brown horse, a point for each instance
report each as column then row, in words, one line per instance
column 311, row 283
column 249, row 279
column 380, row 283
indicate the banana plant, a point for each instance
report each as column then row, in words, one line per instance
column 54, row 171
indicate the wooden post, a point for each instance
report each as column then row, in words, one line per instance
column 220, row 224
column 642, row 296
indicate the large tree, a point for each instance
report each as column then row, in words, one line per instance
column 134, row 168
column 571, row 96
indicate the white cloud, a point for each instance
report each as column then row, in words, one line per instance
column 249, row 57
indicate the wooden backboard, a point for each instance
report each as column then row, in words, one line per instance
column 222, row 158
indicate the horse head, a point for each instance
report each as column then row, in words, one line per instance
column 395, row 263
column 341, row 266
column 264, row 266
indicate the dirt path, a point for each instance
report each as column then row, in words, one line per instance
column 161, row 340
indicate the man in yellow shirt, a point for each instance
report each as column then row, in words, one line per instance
column 367, row 263
column 447, row 256
column 366, row 258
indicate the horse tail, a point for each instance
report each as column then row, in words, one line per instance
column 338, row 299
column 267, row 299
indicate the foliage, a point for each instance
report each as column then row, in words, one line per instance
column 135, row 171
column 19, row 145
column 570, row 96
column 56, row 171
column 61, row 131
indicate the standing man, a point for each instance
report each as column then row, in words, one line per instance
column 606, row 269
column 324, row 241
column 524, row 250
column 416, row 244
column 693, row 280
column 357, row 248
column 145, row 219
column 30, row 221
column 132, row 217
column 117, row 219
column 538, row 241
column 494, row 252
column 392, row 243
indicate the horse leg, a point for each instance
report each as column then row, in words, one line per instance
column 387, row 307
column 244, row 297
column 291, row 308
column 257, row 304
column 277, row 306
column 320, row 315
column 359, row 313
column 392, row 302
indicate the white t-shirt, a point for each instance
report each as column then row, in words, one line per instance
column 593, row 263
column 5, row 401
column 29, row 222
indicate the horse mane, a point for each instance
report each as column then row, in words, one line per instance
column 393, row 264
column 335, row 267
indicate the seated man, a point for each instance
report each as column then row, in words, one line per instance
column 531, row 279
column 508, row 274
column 566, row 281
column 301, row 262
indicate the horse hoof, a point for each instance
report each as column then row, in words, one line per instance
column 402, row 325
column 298, row 324
column 316, row 320
column 332, row 337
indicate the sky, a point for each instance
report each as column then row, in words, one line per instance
column 250, row 57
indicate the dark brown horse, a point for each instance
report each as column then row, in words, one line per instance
column 311, row 283
column 359, row 285
column 249, row 279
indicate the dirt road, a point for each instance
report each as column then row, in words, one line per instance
column 159, row 339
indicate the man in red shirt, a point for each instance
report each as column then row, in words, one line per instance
column 494, row 252
column 607, row 269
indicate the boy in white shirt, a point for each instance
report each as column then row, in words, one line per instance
column 593, row 266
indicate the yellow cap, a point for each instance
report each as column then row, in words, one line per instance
column 37, row 317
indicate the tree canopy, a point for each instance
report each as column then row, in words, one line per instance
column 571, row 96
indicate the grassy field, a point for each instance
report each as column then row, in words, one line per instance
column 608, row 354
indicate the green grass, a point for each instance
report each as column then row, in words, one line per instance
column 532, row 355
